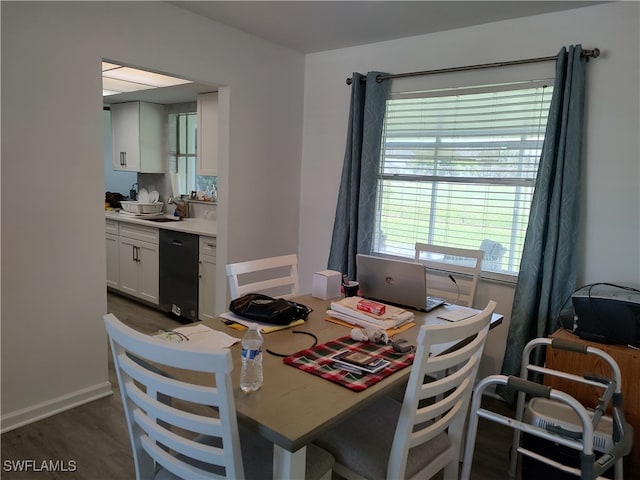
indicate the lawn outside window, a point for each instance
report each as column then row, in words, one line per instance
column 458, row 168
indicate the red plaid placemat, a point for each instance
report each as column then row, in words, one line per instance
column 317, row 361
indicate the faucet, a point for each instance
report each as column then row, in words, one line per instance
column 182, row 206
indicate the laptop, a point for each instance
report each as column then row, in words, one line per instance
column 397, row 282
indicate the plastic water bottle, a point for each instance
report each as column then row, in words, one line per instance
column 251, row 374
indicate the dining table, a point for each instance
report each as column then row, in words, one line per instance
column 293, row 407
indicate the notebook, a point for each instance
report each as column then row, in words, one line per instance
column 395, row 281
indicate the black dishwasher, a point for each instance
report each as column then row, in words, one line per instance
column 179, row 274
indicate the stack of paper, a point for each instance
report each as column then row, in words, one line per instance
column 264, row 327
column 346, row 310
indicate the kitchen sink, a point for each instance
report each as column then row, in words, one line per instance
column 162, row 219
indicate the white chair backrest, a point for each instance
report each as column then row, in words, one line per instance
column 275, row 276
column 164, row 414
column 433, row 406
column 444, row 263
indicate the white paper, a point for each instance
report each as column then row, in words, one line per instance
column 457, row 314
column 241, row 320
column 202, row 335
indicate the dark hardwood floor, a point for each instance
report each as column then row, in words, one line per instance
column 91, row 441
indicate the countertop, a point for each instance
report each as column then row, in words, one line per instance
column 196, row 226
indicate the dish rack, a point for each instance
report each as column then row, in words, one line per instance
column 138, row 207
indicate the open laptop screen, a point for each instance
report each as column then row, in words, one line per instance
column 393, row 281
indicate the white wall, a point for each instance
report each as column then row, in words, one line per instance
column 54, row 350
column 610, row 238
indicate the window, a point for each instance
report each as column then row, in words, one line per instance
column 183, row 148
column 458, row 168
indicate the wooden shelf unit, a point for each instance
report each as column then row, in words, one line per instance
column 628, row 359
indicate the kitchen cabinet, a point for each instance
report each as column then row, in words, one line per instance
column 207, row 278
column 137, row 130
column 208, row 134
column 111, row 241
column 138, row 254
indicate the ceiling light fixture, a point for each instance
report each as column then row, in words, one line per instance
column 119, row 79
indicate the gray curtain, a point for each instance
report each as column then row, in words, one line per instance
column 355, row 210
column 548, row 266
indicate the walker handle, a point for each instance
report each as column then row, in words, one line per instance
column 532, row 388
column 561, row 344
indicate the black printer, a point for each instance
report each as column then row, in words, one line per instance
column 607, row 313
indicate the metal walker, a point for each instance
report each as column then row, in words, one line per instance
column 564, row 420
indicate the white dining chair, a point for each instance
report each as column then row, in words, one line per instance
column 274, row 276
column 452, row 273
column 187, row 429
column 422, row 435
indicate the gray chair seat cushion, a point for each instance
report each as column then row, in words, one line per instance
column 362, row 443
column 257, row 458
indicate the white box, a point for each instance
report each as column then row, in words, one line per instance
column 326, row 284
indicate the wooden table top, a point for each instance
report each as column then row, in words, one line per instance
column 293, row 407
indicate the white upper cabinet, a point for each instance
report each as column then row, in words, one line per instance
column 138, row 137
column 208, row 134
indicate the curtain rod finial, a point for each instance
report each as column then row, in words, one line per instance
column 591, row 53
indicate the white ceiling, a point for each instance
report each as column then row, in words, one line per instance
column 315, row 26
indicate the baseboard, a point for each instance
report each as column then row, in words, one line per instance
column 46, row 409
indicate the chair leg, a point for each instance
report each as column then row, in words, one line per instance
column 618, row 469
column 471, row 431
column 451, row 470
column 326, row 476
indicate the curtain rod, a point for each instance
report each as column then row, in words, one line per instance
column 592, row 53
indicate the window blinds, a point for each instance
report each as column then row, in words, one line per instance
column 458, row 168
